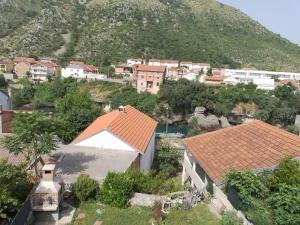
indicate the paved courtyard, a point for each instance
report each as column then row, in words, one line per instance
column 74, row 160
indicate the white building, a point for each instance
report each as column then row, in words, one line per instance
column 42, row 71
column 201, row 66
column 123, row 130
column 131, row 62
column 78, row 70
column 164, row 62
column 251, row 74
column 261, row 83
column 74, row 71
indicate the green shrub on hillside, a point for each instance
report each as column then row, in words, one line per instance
column 85, row 188
column 230, row 218
column 116, row 190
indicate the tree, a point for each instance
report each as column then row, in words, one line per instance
column 287, row 172
column 145, row 102
column 14, row 188
column 33, row 135
column 78, row 109
column 116, row 190
column 167, row 160
column 3, row 83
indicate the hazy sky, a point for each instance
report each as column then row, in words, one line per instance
column 279, row 16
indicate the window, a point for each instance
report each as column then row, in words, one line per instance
column 47, row 171
column 142, row 76
column 142, row 84
column 157, row 84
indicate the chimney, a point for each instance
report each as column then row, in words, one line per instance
column 121, row 108
column 48, row 172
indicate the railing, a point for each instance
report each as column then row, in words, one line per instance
column 193, row 175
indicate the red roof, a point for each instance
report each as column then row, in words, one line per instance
column 254, row 145
column 24, row 59
column 143, row 67
column 216, row 78
column 130, row 125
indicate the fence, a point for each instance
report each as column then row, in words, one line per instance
column 233, row 197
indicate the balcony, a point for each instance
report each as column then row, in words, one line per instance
column 190, row 171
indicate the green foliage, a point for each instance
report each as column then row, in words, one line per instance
column 33, row 135
column 116, row 190
column 280, row 204
column 286, row 204
column 85, row 188
column 3, row 83
column 14, row 188
column 287, row 172
column 77, row 109
column 22, row 96
column 247, row 184
column 145, row 102
column 48, row 92
column 167, row 160
column 230, row 218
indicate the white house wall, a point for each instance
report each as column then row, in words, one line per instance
column 105, row 140
column 147, row 158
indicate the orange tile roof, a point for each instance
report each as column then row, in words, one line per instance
column 77, row 63
column 132, row 126
column 215, row 78
column 254, row 145
column 24, row 59
column 144, row 67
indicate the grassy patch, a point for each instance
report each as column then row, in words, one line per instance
column 199, row 215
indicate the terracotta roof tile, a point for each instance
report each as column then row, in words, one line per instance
column 254, row 145
column 132, row 126
column 143, row 67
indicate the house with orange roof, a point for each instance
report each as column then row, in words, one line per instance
column 42, row 70
column 256, row 146
column 116, row 141
column 22, row 65
column 80, row 70
column 149, row 78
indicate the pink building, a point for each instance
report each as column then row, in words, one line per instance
column 149, row 78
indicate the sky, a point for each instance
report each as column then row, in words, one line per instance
column 280, row 16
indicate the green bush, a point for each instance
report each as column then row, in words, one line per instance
column 116, row 190
column 141, row 182
column 85, row 188
column 230, row 218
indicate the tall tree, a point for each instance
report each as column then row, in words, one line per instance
column 33, row 135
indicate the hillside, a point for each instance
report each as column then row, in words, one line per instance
column 109, row 31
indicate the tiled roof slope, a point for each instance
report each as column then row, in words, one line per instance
column 254, row 145
column 132, row 126
column 143, row 67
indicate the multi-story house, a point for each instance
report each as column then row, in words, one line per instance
column 149, row 78
column 22, row 66
column 42, row 71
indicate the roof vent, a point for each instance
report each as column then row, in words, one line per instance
column 121, row 108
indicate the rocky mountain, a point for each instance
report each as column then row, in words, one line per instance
column 109, row 31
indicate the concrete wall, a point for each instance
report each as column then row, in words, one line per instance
column 5, row 101
column 147, row 158
column 105, row 140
